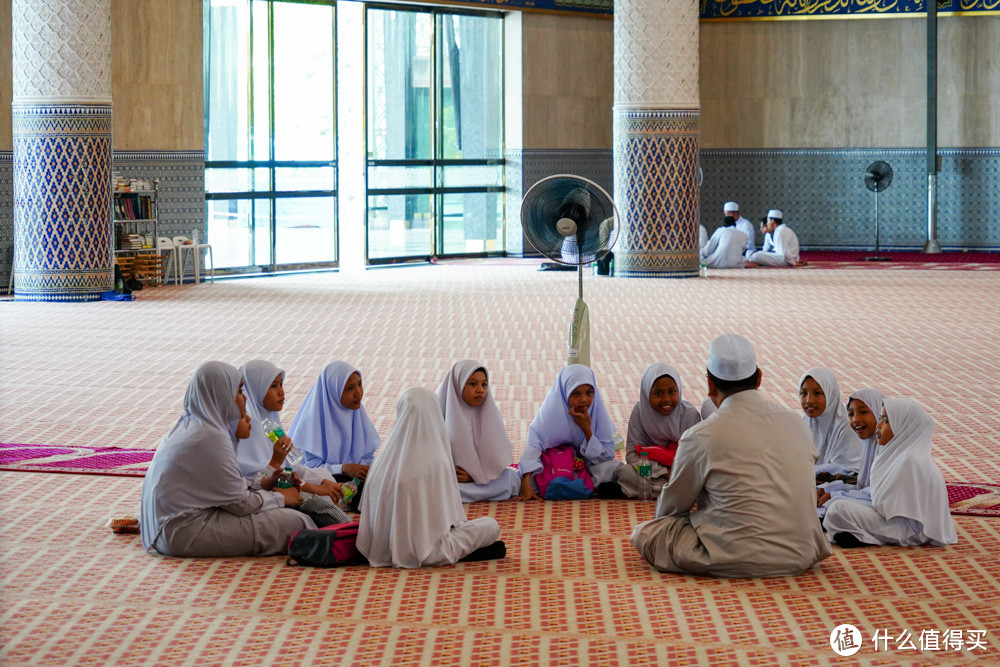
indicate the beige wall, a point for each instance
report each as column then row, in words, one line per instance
column 764, row 84
column 156, row 79
column 567, row 78
column 156, row 74
column 847, row 83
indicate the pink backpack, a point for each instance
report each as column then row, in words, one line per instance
column 330, row 546
column 565, row 464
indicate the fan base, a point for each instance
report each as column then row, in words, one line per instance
column 876, row 258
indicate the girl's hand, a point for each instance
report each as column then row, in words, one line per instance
column 280, row 451
column 581, row 417
column 527, row 490
column 462, row 475
column 267, row 483
column 821, row 497
column 327, row 487
column 355, row 470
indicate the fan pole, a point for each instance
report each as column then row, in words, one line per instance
column 579, row 275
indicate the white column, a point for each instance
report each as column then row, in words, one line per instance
column 656, row 112
column 62, row 149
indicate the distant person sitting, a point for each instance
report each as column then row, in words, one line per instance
column 724, row 249
column 786, row 244
column 732, row 208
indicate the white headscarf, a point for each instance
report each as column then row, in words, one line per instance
column 194, row 467
column 254, row 453
column 831, row 431
column 411, row 495
column 905, row 480
column 553, row 426
column 479, row 442
column 662, row 429
column 327, row 430
column 869, row 447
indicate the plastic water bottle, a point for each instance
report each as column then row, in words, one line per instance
column 645, row 478
column 286, row 479
column 348, row 491
column 275, row 433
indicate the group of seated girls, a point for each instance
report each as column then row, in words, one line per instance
column 876, row 480
column 211, row 489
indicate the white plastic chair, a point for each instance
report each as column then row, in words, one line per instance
column 183, row 243
column 165, row 245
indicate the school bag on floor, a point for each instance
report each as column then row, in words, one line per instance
column 331, row 546
column 564, row 475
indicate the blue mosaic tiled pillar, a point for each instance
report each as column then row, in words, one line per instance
column 656, row 116
column 62, row 149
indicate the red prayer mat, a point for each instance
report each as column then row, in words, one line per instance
column 80, row 460
column 974, row 499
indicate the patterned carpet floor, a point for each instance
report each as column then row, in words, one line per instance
column 572, row 590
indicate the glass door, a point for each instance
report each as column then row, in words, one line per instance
column 435, row 133
column 271, row 168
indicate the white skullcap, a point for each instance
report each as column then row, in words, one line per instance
column 731, row 357
column 730, row 206
column 774, row 213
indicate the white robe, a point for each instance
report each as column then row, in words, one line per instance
column 909, row 497
column 748, row 470
column 411, row 513
column 786, row 249
column 478, row 439
column 195, row 502
column 746, row 227
column 702, row 236
column 648, row 427
column 553, row 426
column 725, row 249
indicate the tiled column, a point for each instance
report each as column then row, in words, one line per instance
column 62, row 149
column 656, row 113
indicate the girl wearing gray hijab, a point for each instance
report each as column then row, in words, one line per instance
column 658, row 419
column 195, row 502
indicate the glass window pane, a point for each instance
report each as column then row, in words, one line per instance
column 260, row 92
column 400, row 177
column 399, row 226
column 305, row 230
column 457, row 176
column 228, row 180
column 293, row 179
column 303, row 82
column 399, row 84
column 228, row 80
column 471, row 49
column 230, row 224
column 472, row 223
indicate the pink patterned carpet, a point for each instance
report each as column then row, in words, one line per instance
column 572, row 590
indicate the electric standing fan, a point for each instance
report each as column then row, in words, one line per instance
column 878, row 178
column 573, row 221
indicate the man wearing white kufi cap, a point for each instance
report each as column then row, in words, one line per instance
column 786, row 244
column 733, row 209
column 748, row 469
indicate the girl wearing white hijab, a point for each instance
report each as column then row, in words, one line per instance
column 839, row 450
column 658, row 418
column 411, row 513
column 909, row 500
column 258, row 457
column 195, row 502
column 332, row 428
column 480, row 448
column 863, row 409
column 573, row 413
